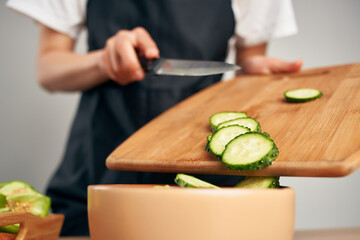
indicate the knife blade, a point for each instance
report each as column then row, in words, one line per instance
column 177, row 67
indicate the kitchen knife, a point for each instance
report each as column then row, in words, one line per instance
column 177, row 67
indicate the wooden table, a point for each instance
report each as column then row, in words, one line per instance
column 326, row 234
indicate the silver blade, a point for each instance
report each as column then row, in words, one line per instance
column 193, row 68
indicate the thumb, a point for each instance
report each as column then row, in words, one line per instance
column 280, row 66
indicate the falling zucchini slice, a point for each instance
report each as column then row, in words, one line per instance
column 187, row 181
column 248, row 122
column 259, row 182
column 220, row 117
column 249, row 151
column 302, row 95
column 223, row 136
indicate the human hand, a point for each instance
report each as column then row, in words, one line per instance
column 119, row 59
column 265, row 65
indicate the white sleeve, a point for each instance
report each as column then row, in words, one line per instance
column 259, row 21
column 65, row 16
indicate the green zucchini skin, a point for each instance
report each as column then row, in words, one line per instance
column 234, row 121
column 183, row 181
column 224, row 116
column 208, row 139
column 259, row 182
column 291, row 99
column 264, row 161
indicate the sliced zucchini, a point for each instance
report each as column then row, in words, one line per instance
column 220, row 117
column 184, row 180
column 249, row 151
column 248, row 122
column 259, row 182
column 223, row 136
column 207, row 143
column 302, row 95
column 162, row 186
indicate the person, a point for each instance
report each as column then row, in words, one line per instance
column 117, row 96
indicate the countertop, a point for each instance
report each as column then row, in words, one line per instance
column 324, row 234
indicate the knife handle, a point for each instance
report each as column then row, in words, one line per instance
column 150, row 65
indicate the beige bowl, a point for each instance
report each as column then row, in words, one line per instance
column 141, row 212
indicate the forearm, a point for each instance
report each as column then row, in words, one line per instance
column 68, row 71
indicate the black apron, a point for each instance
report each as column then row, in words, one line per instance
column 109, row 113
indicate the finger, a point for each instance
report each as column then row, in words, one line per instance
column 114, row 61
column 129, row 63
column 120, row 76
column 106, row 64
column 280, row 66
column 145, row 44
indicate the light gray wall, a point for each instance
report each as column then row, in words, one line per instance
column 329, row 34
column 35, row 124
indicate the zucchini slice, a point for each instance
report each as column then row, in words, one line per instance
column 249, row 151
column 259, row 182
column 188, row 181
column 223, row 136
column 248, row 122
column 220, row 117
column 208, row 139
column 302, row 95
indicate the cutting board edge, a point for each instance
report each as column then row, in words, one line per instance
column 330, row 169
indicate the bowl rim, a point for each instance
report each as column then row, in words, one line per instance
column 176, row 188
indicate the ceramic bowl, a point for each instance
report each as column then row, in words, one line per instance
column 139, row 212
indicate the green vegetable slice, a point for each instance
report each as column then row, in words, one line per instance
column 249, row 151
column 16, row 187
column 4, row 210
column 161, row 186
column 220, row 117
column 208, row 138
column 3, row 207
column 248, row 122
column 302, row 95
column 22, row 197
column 35, row 203
column 259, row 182
column 184, row 180
column 2, row 201
column 223, row 136
column 13, row 229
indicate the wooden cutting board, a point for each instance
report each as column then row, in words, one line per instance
column 320, row 138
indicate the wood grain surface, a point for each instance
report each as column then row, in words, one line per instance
column 320, row 138
column 33, row 227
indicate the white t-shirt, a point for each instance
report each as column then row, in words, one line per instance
column 257, row 21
